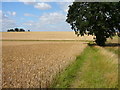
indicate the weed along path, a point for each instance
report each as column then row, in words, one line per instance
column 96, row 67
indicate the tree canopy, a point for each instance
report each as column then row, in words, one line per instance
column 101, row 19
column 16, row 30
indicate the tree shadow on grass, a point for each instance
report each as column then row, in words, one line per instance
column 106, row 45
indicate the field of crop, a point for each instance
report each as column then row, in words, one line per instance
column 30, row 64
column 95, row 67
column 49, row 59
column 43, row 36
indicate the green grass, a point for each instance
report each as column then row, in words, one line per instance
column 90, row 70
column 114, row 50
column 65, row 78
column 96, row 72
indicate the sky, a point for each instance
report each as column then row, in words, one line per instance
column 35, row 16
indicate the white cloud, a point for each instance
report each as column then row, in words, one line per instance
column 42, row 6
column 65, row 6
column 11, row 13
column 30, row 15
column 54, row 17
column 49, row 21
column 29, row 23
column 39, row 0
column 27, row 14
column 27, row 0
column 31, row 2
column 0, row 13
column 7, row 23
column 47, row 0
column 54, row 0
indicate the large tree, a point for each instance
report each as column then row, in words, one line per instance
column 101, row 19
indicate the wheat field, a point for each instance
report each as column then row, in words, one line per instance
column 34, row 64
column 43, row 36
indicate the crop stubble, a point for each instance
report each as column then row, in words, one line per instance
column 34, row 65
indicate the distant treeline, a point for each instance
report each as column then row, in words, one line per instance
column 17, row 30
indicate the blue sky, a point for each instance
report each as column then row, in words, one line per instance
column 36, row 16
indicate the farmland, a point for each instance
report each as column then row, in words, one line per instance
column 35, row 63
column 33, row 59
column 95, row 67
column 43, row 36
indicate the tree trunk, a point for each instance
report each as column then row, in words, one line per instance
column 100, row 40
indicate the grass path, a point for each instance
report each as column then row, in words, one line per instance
column 115, row 50
column 94, row 68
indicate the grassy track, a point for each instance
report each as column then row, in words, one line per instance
column 92, row 69
column 64, row 79
column 112, row 47
column 115, row 50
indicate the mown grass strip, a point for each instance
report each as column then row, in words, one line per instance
column 113, row 45
column 115, row 50
column 66, row 77
column 98, row 71
column 90, row 70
